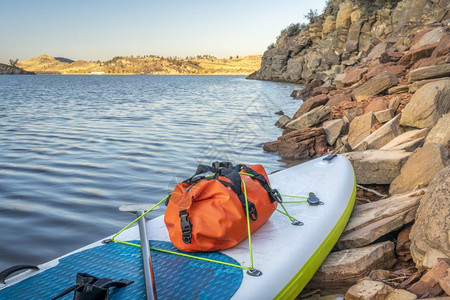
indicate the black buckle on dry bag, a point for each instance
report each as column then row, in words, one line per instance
column 253, row 214
column 275, row 194
column 186, row 226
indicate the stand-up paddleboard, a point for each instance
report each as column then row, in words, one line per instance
column 287, row 255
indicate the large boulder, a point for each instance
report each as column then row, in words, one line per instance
column 343, row 18
column 427, row 105
column 381, row 136
column 430, row 232
column 311, row 118
column 294, row 69
column 377, row 166
column 373, row 220
column 440, row 133
column 360, row 128
column 279, row 62
column 375, row 86
column 429, row 72
column 420, row 168
column 329, row 25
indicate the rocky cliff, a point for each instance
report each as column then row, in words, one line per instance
column 377, row 90
column 12, row 70
column 345, row 34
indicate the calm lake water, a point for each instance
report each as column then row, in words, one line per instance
column 75, row 148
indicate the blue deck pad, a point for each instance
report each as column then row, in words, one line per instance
column 176, row 277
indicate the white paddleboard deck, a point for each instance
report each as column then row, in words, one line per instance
column 287, row 255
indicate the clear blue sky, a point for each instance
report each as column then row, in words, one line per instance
column 102, row 29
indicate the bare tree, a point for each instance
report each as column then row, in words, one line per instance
column 13, row 62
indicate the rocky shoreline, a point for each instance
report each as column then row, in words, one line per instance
column 379, row 95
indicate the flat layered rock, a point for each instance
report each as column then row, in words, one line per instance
column 413, row 87
column 413, row 56
column 398, row 89
column 381, row 136
column 427, row 105
column 373, row 220
column 353, row 76
column 384, row 116
column 360, row 128
column 429, row 72
column 407, row 137
column 375, row 86
column 377, row 166
column 420, row 168
column 342, row 269
column 310, row 118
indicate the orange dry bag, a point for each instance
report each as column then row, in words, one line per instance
column 208, row 213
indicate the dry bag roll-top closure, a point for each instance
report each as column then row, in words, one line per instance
column 208, row 212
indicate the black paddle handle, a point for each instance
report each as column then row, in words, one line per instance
column 4, row 274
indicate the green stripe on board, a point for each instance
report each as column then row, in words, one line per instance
column 304, row 275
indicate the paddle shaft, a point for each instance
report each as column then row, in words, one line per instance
column 150, row 288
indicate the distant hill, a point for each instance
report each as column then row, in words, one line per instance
column 63, row 59
column 144, row 65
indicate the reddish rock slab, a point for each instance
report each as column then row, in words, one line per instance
column 392, row 68
column 299, row 144
column 428, row 62
column 390, row 56
column 335, row 100
column 428, row 285
column 374, row 86
column 443, row 47
column 271, row 146
column 311, row 103
column 377, row 104
column 413, row 56
column 353, row 76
